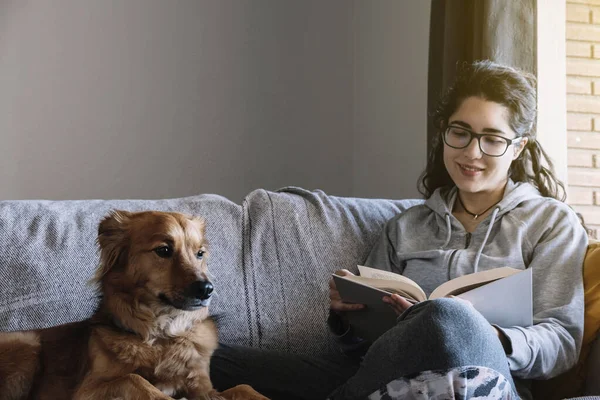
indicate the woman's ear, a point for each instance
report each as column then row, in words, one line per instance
column 520, row 147
column 113, row 241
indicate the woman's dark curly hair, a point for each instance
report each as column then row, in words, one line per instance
column 512, row 88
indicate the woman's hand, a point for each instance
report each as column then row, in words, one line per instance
column 336, row 303
column 398, row 303
column 504, row 340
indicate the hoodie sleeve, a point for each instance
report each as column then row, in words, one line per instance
column 348, row 343
column 383, row 253
column 551, row 346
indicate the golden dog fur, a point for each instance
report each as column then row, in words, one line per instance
column 151, row 336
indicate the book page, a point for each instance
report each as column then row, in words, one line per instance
column 471, row 281
column 374, row 273
column 409, row 290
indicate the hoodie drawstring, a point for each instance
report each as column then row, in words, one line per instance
column 448, row 231
column 487, row 235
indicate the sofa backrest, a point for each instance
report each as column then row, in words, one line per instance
column 49, row 255
column 270, row 259
column 294, row 240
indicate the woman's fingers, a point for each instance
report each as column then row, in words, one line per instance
column 343, row 272
column 398, row 303
column 336, row 303
column 341, row 306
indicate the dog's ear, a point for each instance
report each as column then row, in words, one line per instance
column 200, row 223
column 113, row 239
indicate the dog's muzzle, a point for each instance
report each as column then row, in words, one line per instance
column 193, row 297
column 201, row 290
column 198, row 294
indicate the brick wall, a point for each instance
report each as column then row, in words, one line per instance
column 583, row 109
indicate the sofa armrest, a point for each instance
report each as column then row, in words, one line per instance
column 592, row 383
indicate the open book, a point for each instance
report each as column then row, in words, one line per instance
column 502, row 295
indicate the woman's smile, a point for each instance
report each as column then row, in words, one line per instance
column 469, row 170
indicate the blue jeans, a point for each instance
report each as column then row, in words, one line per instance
column 432, row 335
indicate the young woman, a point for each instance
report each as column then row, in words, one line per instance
column 490, row 202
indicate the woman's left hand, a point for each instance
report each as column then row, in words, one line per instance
column 398, row 303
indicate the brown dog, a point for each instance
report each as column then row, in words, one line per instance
column 151, row 337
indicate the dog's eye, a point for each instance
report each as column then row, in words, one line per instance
column 200, row 255
column 164, row 251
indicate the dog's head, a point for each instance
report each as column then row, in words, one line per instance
column 158, row 257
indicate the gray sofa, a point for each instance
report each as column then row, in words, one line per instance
column 270, row 259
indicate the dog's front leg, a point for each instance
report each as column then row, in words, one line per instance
column 199, row 387
column 242, row 392
column 130, row 387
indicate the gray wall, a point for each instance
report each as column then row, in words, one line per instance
column 390, row 97
column 153, row 98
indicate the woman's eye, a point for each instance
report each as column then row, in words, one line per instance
column 493, row 141
column 164, row 251
column 459, row 133
column 200, row 255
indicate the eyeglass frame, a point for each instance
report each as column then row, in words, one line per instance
column 478, row 136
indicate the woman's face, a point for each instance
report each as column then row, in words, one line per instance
column 471, row 170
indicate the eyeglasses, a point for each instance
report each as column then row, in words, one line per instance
column 458, row 137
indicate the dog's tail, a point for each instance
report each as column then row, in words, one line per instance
column 19, row 361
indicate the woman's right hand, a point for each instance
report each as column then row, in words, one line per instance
column 335, row 301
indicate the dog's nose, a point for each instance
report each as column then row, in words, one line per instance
column 201, row 289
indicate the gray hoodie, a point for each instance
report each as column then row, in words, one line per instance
column 525, row 230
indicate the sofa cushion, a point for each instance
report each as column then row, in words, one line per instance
column 49, row 255
column 295, row 240
column 591, row 282
column 571, row 383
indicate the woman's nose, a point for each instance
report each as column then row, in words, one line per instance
column 473, row 151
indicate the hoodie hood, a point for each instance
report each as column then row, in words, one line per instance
column 514, row 194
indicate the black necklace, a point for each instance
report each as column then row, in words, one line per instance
column 475, row 216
